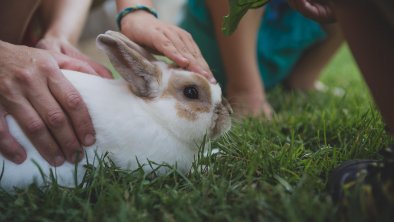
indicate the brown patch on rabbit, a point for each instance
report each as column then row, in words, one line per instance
column 187, row 107
column 184, row 112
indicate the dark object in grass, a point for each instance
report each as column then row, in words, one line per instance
column 372, row 178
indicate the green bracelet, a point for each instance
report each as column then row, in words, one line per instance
column 128, row 10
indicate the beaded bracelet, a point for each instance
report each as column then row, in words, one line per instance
column 128, row 10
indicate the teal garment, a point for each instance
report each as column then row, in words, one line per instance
column 283, row 36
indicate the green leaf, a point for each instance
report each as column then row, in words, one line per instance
column 238, row 9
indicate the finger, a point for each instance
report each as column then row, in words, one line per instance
column 98, row 68
column 314, row 10
column 66, row 62
column 267, row 110
column 193, row 49
column 304, row 7
column 197, row 62
column 36, row 131
column 164, row 45
column 300, row 6
column 185, row 52
column 9, row 147
column 57, row 122
column 45, row 44
column 188, row 49
column 179, row 45
column 73, row 105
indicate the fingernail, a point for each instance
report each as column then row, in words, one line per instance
column 18, row 159
column 58, row 160
column 77, row 156
column 206, row 73
column 210, row 77
column 183, row 59
column 89, row 140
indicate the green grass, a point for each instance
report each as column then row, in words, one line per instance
column 266, row 171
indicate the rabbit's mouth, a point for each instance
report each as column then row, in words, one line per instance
column 221, row 120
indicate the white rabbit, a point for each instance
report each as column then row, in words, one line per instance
column 155, row 113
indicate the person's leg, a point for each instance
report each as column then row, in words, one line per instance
column 245, row 87
column 15, row 16
column 370, row 37
column 371, row 40
column 309, row 66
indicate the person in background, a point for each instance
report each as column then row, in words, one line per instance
column 37, row 39
column 271, row 46
column 368, row 27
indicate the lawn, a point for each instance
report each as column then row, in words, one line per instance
column 265, row 171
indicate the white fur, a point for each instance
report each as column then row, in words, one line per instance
column 127, row 127
column 132, row 130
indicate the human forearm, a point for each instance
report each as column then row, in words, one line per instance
column 65, row 18
column 238, row 52
column 12, row 27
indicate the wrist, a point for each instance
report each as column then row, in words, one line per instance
column 4, row 45
column 136, row 23
column 60, row 35
column 134, row 11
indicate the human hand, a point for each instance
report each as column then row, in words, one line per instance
column 47, row 107
column 167, row 39
column 318, row 10
column 249, row 103
column 63, row 46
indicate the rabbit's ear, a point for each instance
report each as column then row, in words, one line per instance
column 132, row 62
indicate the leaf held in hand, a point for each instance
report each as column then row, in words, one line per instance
column 238, row 9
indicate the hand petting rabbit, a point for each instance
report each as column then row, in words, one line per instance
column 157, row 113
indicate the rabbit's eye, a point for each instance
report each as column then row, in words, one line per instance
column 190, row 92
